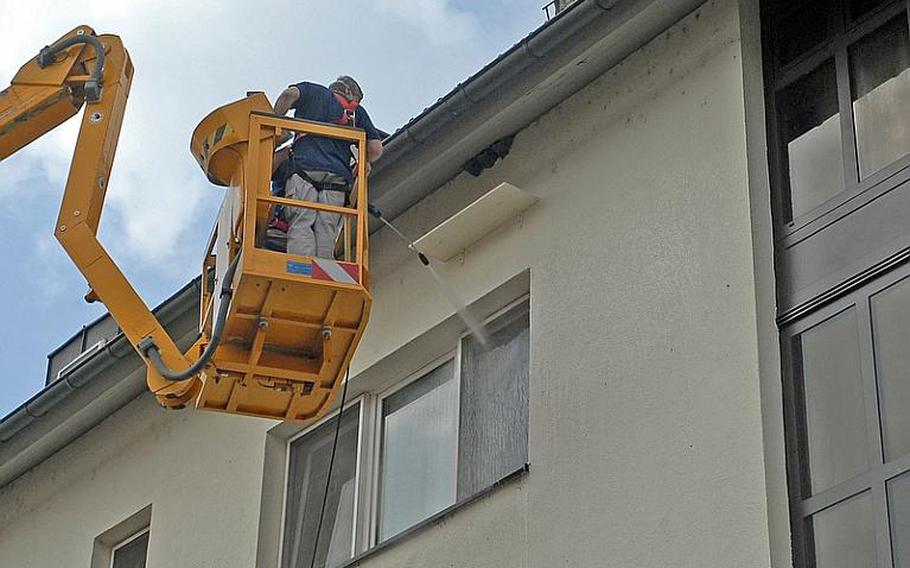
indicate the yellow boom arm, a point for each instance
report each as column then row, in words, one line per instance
column 278, row 338
column 94, row 71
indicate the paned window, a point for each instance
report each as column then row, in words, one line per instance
column 840, row 99
column 425, row 446
column 419, row 450
column 847, row 372
column 458, row 429
column 838, row 108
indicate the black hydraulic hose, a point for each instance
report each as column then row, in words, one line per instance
column 48, row 56
column 148, row 347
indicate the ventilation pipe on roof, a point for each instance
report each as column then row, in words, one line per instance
column 554, row 7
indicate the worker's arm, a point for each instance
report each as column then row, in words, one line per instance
column 287, row 99
column 280, row 157
column 374, row 150
column 373, row 134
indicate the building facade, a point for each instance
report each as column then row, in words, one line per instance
column 695, row 334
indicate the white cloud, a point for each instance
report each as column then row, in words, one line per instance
column 440, row 23
column 46, row 284
column 191, row 57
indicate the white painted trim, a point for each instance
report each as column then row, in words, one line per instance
column 499, row 313
column 417, row 375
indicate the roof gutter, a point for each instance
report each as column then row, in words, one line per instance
column 536, row 74
column 82, row 397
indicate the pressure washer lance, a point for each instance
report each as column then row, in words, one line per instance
column 375, row 212
column 477, row 328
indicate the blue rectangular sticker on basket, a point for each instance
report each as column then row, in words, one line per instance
column 303, row 268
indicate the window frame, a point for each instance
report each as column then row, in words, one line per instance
column 880, row 472
column 135, row 536
column 378, row 429
column 329, row 417
column 841, row 34
column 369, row 445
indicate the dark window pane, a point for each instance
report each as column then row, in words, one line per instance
column 843, row 535
column 419, row 451
column 835, row 415
column 859, row 8
column 799, row 30
column 880, row 79
column 493, row 433
column 308, row 468
column 810, row 132
column 891, row 326
column 132, row 554
column 899, row 512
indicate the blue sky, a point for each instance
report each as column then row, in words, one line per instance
column 191, row 57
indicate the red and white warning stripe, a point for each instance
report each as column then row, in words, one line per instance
column 327, row 269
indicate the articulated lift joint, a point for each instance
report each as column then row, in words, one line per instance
column 92, row 87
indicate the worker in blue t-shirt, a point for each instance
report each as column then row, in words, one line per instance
column 319, row 169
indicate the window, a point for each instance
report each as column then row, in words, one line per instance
column 124, row 545
column 848, row 378
column 838, row 96
column 493, row 426
column 419, row 450
column 131, row 553
column 880, row 92
column 433, row 441
column 458, row 429
column 309, row 467
column 839, row 93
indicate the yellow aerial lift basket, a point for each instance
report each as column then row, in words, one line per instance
column 293, row 322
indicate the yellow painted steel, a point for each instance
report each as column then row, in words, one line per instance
column 290, row 334
column 38, row 100
column 293, row 322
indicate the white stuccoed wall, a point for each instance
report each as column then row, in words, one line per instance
column 646, row 433
column 646, row 424
column 200, row 471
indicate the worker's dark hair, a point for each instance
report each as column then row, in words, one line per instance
column 348, row 87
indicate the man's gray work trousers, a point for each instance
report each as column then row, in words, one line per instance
column 312, row 233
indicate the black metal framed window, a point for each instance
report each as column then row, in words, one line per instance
column 839, row 102
column 847, row 370
column 838, row 107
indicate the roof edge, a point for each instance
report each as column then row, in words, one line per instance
column 39, row 418
column 431, row 148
